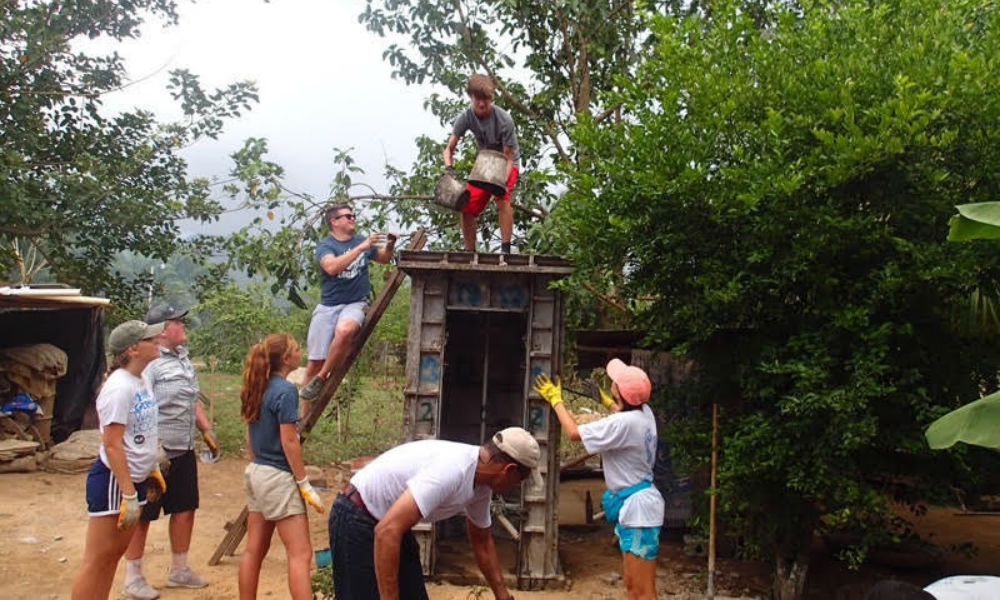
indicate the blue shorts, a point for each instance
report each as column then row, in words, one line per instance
column 323, row 325
column 104, row 498
column 644, row 542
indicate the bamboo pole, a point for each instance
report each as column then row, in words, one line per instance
column 710, row 593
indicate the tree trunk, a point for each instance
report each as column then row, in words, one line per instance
column 790, row 577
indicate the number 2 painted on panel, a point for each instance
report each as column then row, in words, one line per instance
column 424, row 411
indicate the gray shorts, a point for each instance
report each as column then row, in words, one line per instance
column 324, row 323
column 272, row 492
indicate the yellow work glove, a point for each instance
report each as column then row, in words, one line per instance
column 606, row 398
column 209, row 438
column 157, row 487
column 549, row 389
column 597, row 394
column 128, row 513
column 310, row 495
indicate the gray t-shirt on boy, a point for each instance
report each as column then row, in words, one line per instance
column 494, row 132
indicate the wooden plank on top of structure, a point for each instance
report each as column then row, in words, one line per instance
column 484, row 262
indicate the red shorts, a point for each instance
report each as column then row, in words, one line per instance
column 478, row 197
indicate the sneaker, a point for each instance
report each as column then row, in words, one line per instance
column 311, row 389
column 138, row 589
column 185, row 578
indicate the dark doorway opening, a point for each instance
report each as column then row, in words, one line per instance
column 483, row 388
column 482, row 393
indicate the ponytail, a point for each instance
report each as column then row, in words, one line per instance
column 264, row 358
column 118, row 361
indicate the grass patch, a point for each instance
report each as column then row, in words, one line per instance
column 373, row 425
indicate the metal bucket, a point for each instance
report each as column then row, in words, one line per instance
column 451, row 193
column 490, row 172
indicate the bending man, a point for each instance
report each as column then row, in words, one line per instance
column 376, row 556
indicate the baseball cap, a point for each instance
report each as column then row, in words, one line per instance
column 633, row 383
column 164, row 312
column 522, row 447
column 130, row 333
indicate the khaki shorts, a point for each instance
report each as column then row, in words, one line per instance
column 272, row 492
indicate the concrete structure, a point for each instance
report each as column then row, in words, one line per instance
column 482, row 326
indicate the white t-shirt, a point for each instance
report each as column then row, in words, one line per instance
column 626, row 442
column 965, row 587
column 126, row 399
column 438, row 473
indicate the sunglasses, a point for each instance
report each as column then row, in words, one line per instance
column 344, row 216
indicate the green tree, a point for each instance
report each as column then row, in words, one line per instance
column 231, row 319
column 549, row 59
column 78, row 184
column 774, row 201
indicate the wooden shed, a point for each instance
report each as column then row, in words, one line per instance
column 72, row 322
column 482, row 326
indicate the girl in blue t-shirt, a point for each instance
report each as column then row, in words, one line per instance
column 275, row 481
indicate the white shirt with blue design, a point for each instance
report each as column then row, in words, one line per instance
column 126, row 399
column 626, row 442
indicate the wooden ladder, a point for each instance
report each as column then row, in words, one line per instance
column 235, row 530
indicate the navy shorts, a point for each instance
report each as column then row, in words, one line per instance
column 182, row 488
column 104, row 497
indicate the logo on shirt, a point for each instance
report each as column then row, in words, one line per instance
column 354, row 269
column 650, row 444
column 143, row 416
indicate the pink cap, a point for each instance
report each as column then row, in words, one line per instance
column 633, row 383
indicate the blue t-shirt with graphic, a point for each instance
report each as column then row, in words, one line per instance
column 280, row 404
column 350, row 285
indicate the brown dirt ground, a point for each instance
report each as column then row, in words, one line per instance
column 43, row 521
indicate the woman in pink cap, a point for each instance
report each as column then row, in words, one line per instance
column 626, row 441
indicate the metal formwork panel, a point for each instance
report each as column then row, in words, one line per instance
column 538, row 551
column 425, row 347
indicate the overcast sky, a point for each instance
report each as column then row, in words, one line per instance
column 321, row 79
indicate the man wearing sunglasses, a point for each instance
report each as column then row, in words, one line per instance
column 343, row 260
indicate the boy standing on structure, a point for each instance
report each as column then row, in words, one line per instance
column 493, row 129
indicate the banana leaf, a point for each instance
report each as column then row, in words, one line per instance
column 978, row 221
column 976, row 423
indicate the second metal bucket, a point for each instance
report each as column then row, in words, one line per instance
column 490, row 172
column 450, row 193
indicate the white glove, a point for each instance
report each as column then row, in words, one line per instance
column 310, row 495
column 128, row 513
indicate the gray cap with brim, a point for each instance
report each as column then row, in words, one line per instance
column 130, row 333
